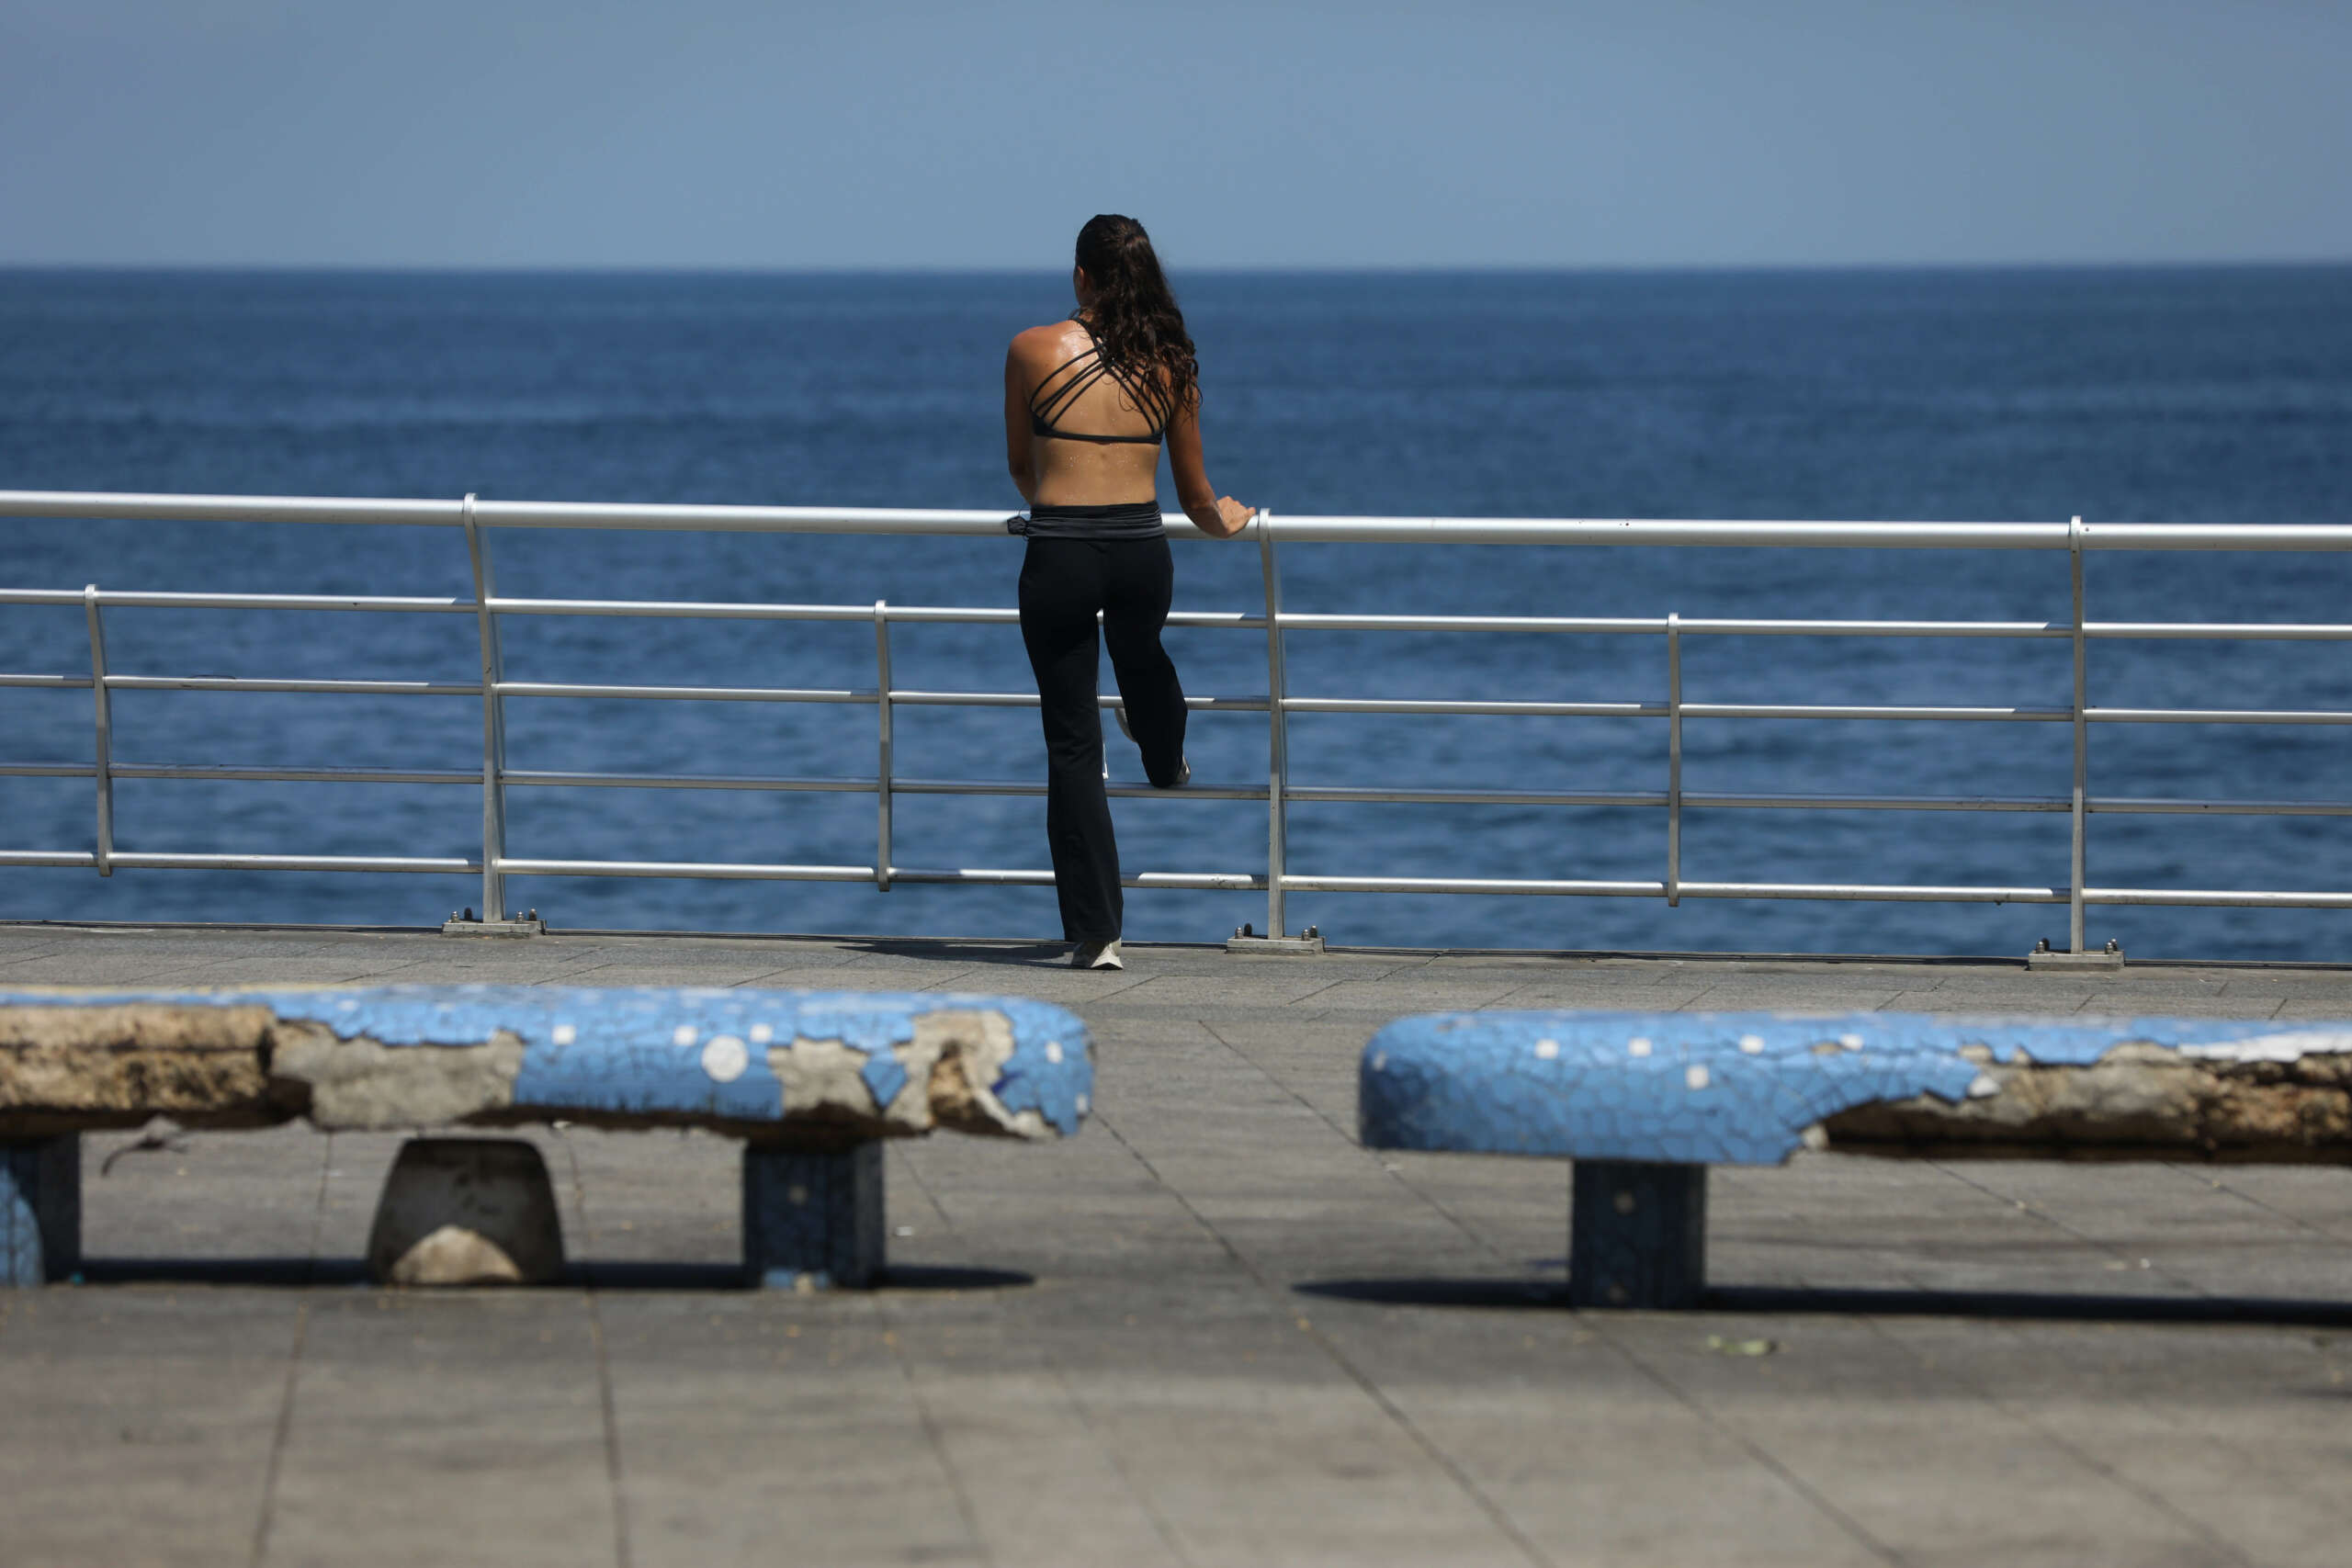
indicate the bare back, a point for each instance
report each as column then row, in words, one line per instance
column 1102, row 444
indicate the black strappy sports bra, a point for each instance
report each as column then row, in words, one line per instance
column 1049, row 402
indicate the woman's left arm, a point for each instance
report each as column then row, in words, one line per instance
column 1017, row 456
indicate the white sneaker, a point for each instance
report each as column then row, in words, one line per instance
column 1097, row 956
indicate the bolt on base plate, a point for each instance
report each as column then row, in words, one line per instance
column 1247, row 941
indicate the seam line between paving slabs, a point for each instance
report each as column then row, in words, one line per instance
column 608, row 1404
column 904, row 1162
column 282, row 1430
column 2036, row 1212
column 1437, row 1455
column 1061, row 1379
column 1876, row 1324
column 1392, row 1173
column 931, row 1436
column 2217, row 1185
column 2097, row 1466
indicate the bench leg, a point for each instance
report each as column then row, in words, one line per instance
column 1637, row 1235
column 40, row 1208
column 812, row 1218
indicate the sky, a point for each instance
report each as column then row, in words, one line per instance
column 898, row 134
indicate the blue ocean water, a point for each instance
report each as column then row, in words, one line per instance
column 2143, row 395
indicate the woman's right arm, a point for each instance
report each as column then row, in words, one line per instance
column 1218, row 516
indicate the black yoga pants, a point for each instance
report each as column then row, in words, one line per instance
column 1063, row 583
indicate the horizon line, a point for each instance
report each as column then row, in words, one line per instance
column 1498, row 270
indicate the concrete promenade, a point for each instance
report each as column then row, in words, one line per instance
column 1211, row 1329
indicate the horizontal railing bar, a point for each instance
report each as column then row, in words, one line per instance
column 250, row 684
column 1529, row 710
column 863, row 615
column 1029, row 700
column 1531, row 887
column 1321, row 794
column 229, row 773
column 1689, row 710
column 1293, row 621
column 685, row 694
column 2214, row 716
column 2216, row 631
column 755, row 872
column 199, row 862
column 1683, row 533
column 2215, row 899
column 1655, row 626
column 46, row 683
column 118, row 598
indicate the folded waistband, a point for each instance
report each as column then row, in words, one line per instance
column 1113, row 520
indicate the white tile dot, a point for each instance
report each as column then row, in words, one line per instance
column 682, row 1035
column 1547, row 1049
column 1695, row 1075
column 761, row 1034
column 724, row 1058
column 1380, row 1062
column 1851, row 1042
column 1054, row 1051
column 563, row 1034
column 1752, row 1044
column 348, row 1004
column 1638, row 1046
column 1084, row 1105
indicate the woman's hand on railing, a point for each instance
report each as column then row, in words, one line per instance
column 1228, row 518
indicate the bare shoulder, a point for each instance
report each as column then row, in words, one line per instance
column 1043, row 346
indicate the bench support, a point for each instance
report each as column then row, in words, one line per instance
column 1637, row 1235
column 812, row 1218
column 40, row 1208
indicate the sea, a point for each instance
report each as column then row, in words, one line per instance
column 2214, row 396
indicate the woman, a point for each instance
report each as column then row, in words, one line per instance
column 1087, row 403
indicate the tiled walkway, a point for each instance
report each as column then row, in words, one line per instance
column 1210, row 1330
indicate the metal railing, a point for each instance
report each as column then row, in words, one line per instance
column 477, row 520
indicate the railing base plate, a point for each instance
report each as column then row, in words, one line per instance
column 1292, row 944
column 493, row 927
column 2111, row 958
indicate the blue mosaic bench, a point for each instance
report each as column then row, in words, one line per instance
column 811, row 1081
column 1642, row 1103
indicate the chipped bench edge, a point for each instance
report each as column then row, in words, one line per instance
column 1751, row 1089
column 822, row 1065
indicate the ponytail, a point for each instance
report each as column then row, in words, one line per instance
column 1134, row 313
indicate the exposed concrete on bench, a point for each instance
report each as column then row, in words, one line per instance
column 1750, row 1088
column 817, row 1065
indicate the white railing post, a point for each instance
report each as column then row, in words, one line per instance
column 882, row 727
column 2081, row 856
column 1277, row 729
column 1673, row 761
column 493, row 725
column 102, row 754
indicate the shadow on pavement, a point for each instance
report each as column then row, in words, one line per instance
column 2021, row 1305
column 293, row 1272
column 1013, row 954
column 299, row 1272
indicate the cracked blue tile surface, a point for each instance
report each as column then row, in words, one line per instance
column 640, row 1049
column 1715, row 1089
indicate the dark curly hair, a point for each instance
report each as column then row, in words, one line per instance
column 1134, row 313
